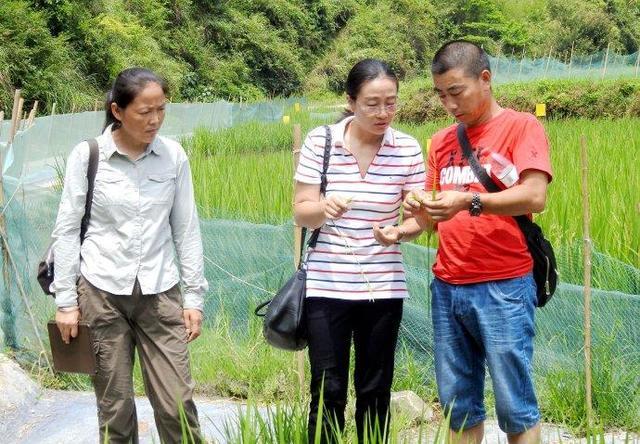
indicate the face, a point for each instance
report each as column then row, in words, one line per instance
column 376, row 105
column 465, row 97
column 143, row 117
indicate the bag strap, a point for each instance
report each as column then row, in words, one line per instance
column 92, row 169
column 523, row 221
column 314, row 237
column 323, row 188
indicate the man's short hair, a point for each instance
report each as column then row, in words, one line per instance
column 460, row 54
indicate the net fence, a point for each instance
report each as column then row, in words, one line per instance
column 245, row 263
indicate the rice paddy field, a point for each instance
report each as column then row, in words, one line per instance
column 246, row 172
column 244, row 176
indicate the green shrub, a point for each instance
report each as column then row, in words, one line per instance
column 32, row 59
column 564, row 99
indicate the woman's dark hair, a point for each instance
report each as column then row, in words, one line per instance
column 126, row 87
column 363, row 72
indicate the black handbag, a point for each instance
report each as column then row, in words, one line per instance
column 46, row 266
column 545, row 271
column 283, row 325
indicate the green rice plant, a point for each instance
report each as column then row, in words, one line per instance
column 615, row 388
column 259, row 188
column 287, row 423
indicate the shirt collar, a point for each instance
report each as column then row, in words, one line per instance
column 111, row 148
column 338, row 129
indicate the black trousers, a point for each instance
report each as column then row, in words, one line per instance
column 374, row 326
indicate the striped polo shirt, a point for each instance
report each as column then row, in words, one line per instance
column 347, row 262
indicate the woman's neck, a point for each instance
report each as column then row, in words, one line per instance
column 359, row 136
column 127, row 144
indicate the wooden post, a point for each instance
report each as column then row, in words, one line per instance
column 1, row 120
column 606, row 60
column 9, row 325
column 587, row 279
column 95, row 106
column 32, row 114
column 637, row 62
column 546, row 68
column 297, row 243
column 14, row 116
column 53, row 108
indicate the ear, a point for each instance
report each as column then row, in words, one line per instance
column 485, row 78
column 351, row 103
column 115, row 110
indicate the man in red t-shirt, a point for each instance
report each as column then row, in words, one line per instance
column 483, row 293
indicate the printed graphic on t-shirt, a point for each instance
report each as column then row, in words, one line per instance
column 458, row 173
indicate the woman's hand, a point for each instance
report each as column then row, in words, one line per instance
column 192, row 322
column 388, row 235
column 67, row 322
column 334, row 206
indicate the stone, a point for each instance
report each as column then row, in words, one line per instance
column 410, row 405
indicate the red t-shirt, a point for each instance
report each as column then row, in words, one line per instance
column 488, row 247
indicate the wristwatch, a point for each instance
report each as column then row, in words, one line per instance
column 476, row 205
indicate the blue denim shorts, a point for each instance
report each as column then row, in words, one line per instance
column 489, row 324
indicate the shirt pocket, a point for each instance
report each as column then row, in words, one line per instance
column 161, row 188
column 110, row 189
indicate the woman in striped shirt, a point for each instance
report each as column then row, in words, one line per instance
column 355, row 276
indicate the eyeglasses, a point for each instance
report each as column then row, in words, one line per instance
column 373, row 110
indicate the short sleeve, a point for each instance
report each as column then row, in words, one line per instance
column 531, row 150
column 309, row 168
column 416, row 171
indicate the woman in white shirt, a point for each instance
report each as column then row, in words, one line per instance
column 355, row 275
column 142, row 239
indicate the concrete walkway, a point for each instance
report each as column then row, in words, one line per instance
column 58, row 417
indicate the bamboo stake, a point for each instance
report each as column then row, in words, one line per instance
column 513, row 50
column 95, row 106
column 53, row 108
column 14, row 116
column 1, row 120
column 637, row 62
column 521, row 63
column 606, row 60
column 587, row 279
column 23, row 121
column 495, row 71
column 297, row 243
column 571, row 59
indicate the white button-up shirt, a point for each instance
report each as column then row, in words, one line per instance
column 143, row 218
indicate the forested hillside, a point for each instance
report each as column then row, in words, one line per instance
column 68, row 50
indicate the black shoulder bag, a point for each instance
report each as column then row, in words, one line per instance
column 46, row 266
column 544, row 259
column 283, row 325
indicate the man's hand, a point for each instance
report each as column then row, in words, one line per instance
column 446, row 205
column 192, row 322
column 67, row 322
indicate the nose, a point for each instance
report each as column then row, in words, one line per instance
column 155, row 116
